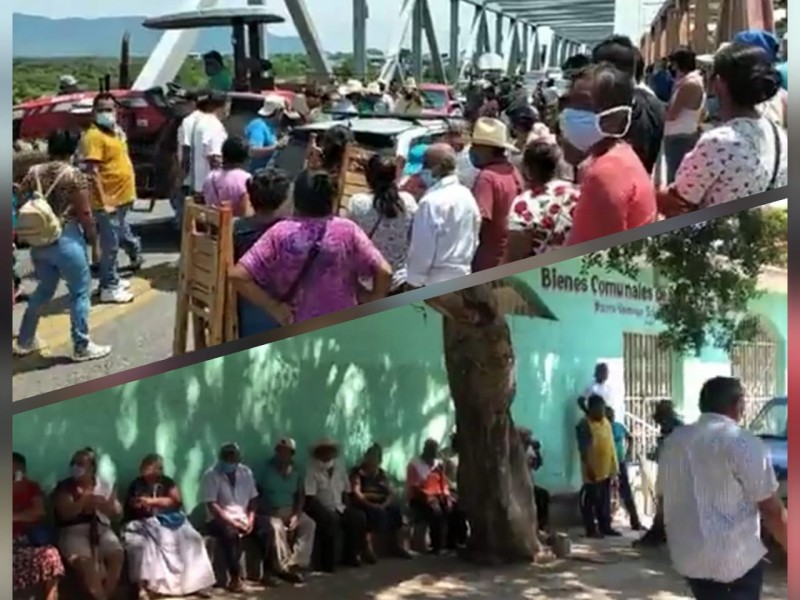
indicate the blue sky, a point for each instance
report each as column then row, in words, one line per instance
column 331, row 17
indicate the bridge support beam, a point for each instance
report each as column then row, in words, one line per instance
column 308, row 34
column 360, row 16
column 455, row 38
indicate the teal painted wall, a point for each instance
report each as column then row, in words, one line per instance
column 379, row 378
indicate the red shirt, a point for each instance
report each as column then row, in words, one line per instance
column 414, row 186
column 616, row 194
column 24, row 495
column 495, row 189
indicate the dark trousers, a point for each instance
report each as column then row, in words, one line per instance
column 596, row 506
column 748, row 587
column 229, row 541
column 626, row 496
column 347, row 529
column 542, row 499
column 440, row 516
column 381, row 519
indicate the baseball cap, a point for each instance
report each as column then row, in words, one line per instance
column 286, row 442
column 416, row 158
column 763, row 39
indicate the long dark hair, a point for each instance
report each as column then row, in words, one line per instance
column 334, row 144
column 381, row 175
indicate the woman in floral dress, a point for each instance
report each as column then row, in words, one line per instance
column 37, row 563
column 541, row 217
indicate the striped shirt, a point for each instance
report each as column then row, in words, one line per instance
column 712, row 475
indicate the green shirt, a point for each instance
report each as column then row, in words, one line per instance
column 222, row 81
column 278, row 490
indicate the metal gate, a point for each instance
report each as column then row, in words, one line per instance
column 648, row 380
column 755, row 364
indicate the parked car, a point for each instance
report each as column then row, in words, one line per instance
column 389, row 135
column 440, row 100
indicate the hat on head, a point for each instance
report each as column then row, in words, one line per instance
column 272, row 104
column 286, row 442
column 415, row 160
column 67, row 80
column 763, row 39
column 353, row 86
column 410, row 83
column 324, row 443
column 492, row 133
column 374, row 89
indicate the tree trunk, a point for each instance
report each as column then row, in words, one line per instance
column 494, row 482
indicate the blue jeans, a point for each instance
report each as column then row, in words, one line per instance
column 675, row 148
column 748, row 587
column 177, row 201
column 114, row 232
column 253, row 320
column 65, row 259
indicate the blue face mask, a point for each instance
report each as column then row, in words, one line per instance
column 428, row 178
column 581, row 128
column 106, row 119
column 227, row 467
column 712, row 107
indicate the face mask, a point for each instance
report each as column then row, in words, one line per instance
column 77, row 471
column 18, row 476
column 106, row 119
column 582, row 130
column 227, row 467
column 428, row 178
column 712, row 106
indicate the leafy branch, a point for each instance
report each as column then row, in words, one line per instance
column 709, row 274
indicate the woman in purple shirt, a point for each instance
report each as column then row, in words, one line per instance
column 310, row 265
column 228, row 184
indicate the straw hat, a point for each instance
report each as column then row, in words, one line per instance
column 374, row 89
column 492, row 133
column 352, row 87
column 327, row 443
column 410, row 83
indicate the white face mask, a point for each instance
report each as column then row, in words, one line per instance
column 18, row 476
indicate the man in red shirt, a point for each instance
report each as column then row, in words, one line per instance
column 617, row 193
column 497, row 184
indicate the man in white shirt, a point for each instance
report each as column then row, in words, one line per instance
column 444, row 236
column 327, row 487
column 719, row 487
column 185, row 131
column 457, row 135
column 229, row 492
column 598, row 387
column 206, row 138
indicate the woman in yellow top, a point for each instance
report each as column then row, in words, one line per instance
column 599, row 467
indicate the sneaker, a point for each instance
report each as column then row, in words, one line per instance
column 91, row 352
column 116, row 295
column 32, row 348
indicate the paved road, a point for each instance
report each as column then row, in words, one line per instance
column 140, row 333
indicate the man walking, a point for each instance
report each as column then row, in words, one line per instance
column 719, row 487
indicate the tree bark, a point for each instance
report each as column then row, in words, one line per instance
column 494, row 482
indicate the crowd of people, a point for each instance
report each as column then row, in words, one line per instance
column 319, row 517
column 499, row 186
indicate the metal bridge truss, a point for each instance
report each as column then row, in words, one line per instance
column 516, row 37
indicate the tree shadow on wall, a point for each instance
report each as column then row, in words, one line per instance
column 304, row 387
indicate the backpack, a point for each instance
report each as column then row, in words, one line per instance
column 37, row 224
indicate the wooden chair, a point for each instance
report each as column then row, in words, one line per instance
column 352, row 177
column 205, row 295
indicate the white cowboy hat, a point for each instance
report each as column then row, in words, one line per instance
column 492, row 133
column 707, row 60
column 272, row 104
column 374, row 89
column 410, row 83
column 353, row 86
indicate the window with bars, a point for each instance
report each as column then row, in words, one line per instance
column 755, row 364
column 648, row 380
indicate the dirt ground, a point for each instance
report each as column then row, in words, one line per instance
column 596, row 570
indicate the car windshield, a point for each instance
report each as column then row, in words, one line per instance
column 436, row 99
column 772, row 421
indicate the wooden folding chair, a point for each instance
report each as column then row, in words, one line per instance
column 352, row 177
column 205, row 296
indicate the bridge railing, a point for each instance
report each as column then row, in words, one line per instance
column 703, row 24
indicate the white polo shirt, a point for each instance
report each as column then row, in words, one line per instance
column 234, row 498
column 327, row 484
